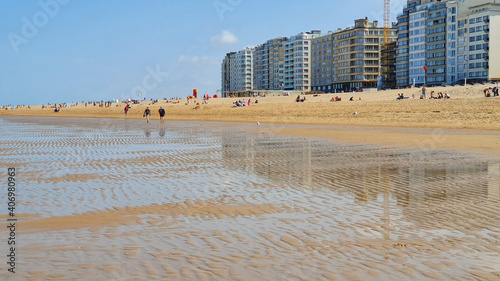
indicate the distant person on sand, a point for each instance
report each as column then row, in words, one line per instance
column 161, row 111
column 423, row 92
column 147, row 113
column 126, row 109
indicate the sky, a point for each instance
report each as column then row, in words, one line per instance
column 56, row 51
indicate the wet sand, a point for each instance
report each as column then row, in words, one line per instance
column 120, row 199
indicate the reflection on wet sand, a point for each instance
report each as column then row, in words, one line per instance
column 125, row 200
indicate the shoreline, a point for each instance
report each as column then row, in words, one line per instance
column 485, row 142
column 378, row 118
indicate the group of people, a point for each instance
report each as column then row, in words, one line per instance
column 493, row 93
column 147, row 113
column 336, row 98
column 161, row 112
column 243, row 102
column 298, row 99
column 440, row 95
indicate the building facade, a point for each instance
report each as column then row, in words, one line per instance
column 268, row 65
column 436, row 44
column 348, row 59
column 237, row 72
column 479, row 42
column 297, row 58
column 388, row 62
column 457, row 45
column 417, row 44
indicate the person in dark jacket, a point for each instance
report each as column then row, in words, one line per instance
column 161, row 111
column 147, row 113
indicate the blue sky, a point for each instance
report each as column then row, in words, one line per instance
column 54, row 51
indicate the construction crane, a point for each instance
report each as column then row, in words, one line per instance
column 387, row 20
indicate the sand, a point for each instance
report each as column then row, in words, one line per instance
column 467, row 110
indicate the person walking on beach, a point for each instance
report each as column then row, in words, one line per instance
column 126, row 109
column 161, row 111
column 423, row 92
column 147, row 113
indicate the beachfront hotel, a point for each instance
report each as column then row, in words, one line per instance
column 452, row 39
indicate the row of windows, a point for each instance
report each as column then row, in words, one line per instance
column 436, row 38
column 435, row 55
column 435, row 79
column 435, row 22
column 478, row 74
column 478, row 20
column 478, row 38
column 478, row 56
column 435, row 30
column 478, row 65
column 478, row 28
column 434, row 47
column 478, row 47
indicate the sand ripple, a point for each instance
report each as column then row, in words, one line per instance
column 128, row 201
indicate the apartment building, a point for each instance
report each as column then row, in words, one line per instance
column 237, row 72
column 297, row 58
column 403, row 39
column 417, row 43
column 388, row 61
column 348, row 59
column 479, row 42
column 268, row 65
column 436, row 44
column 451, row 41
column 458, row 42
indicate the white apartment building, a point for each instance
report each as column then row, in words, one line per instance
column 417, row 44
column 479, row 42
column 237, row 72
column 297, row 58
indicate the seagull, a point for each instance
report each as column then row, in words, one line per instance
column 355, row 113
column 258, row 123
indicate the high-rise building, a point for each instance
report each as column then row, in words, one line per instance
column 479, row 41
column 436, row 44
column 388, row 62
column 225, row 74
column 417, row 43
column 451, row 38
column 451, row 41
column 297, row 58
column 268, row 61
column 403, row 34
column 237, row 74
column 348, row 59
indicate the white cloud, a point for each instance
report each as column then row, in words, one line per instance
column 223, row 39
column 205, row 60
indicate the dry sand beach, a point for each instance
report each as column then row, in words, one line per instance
column 402, row 190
